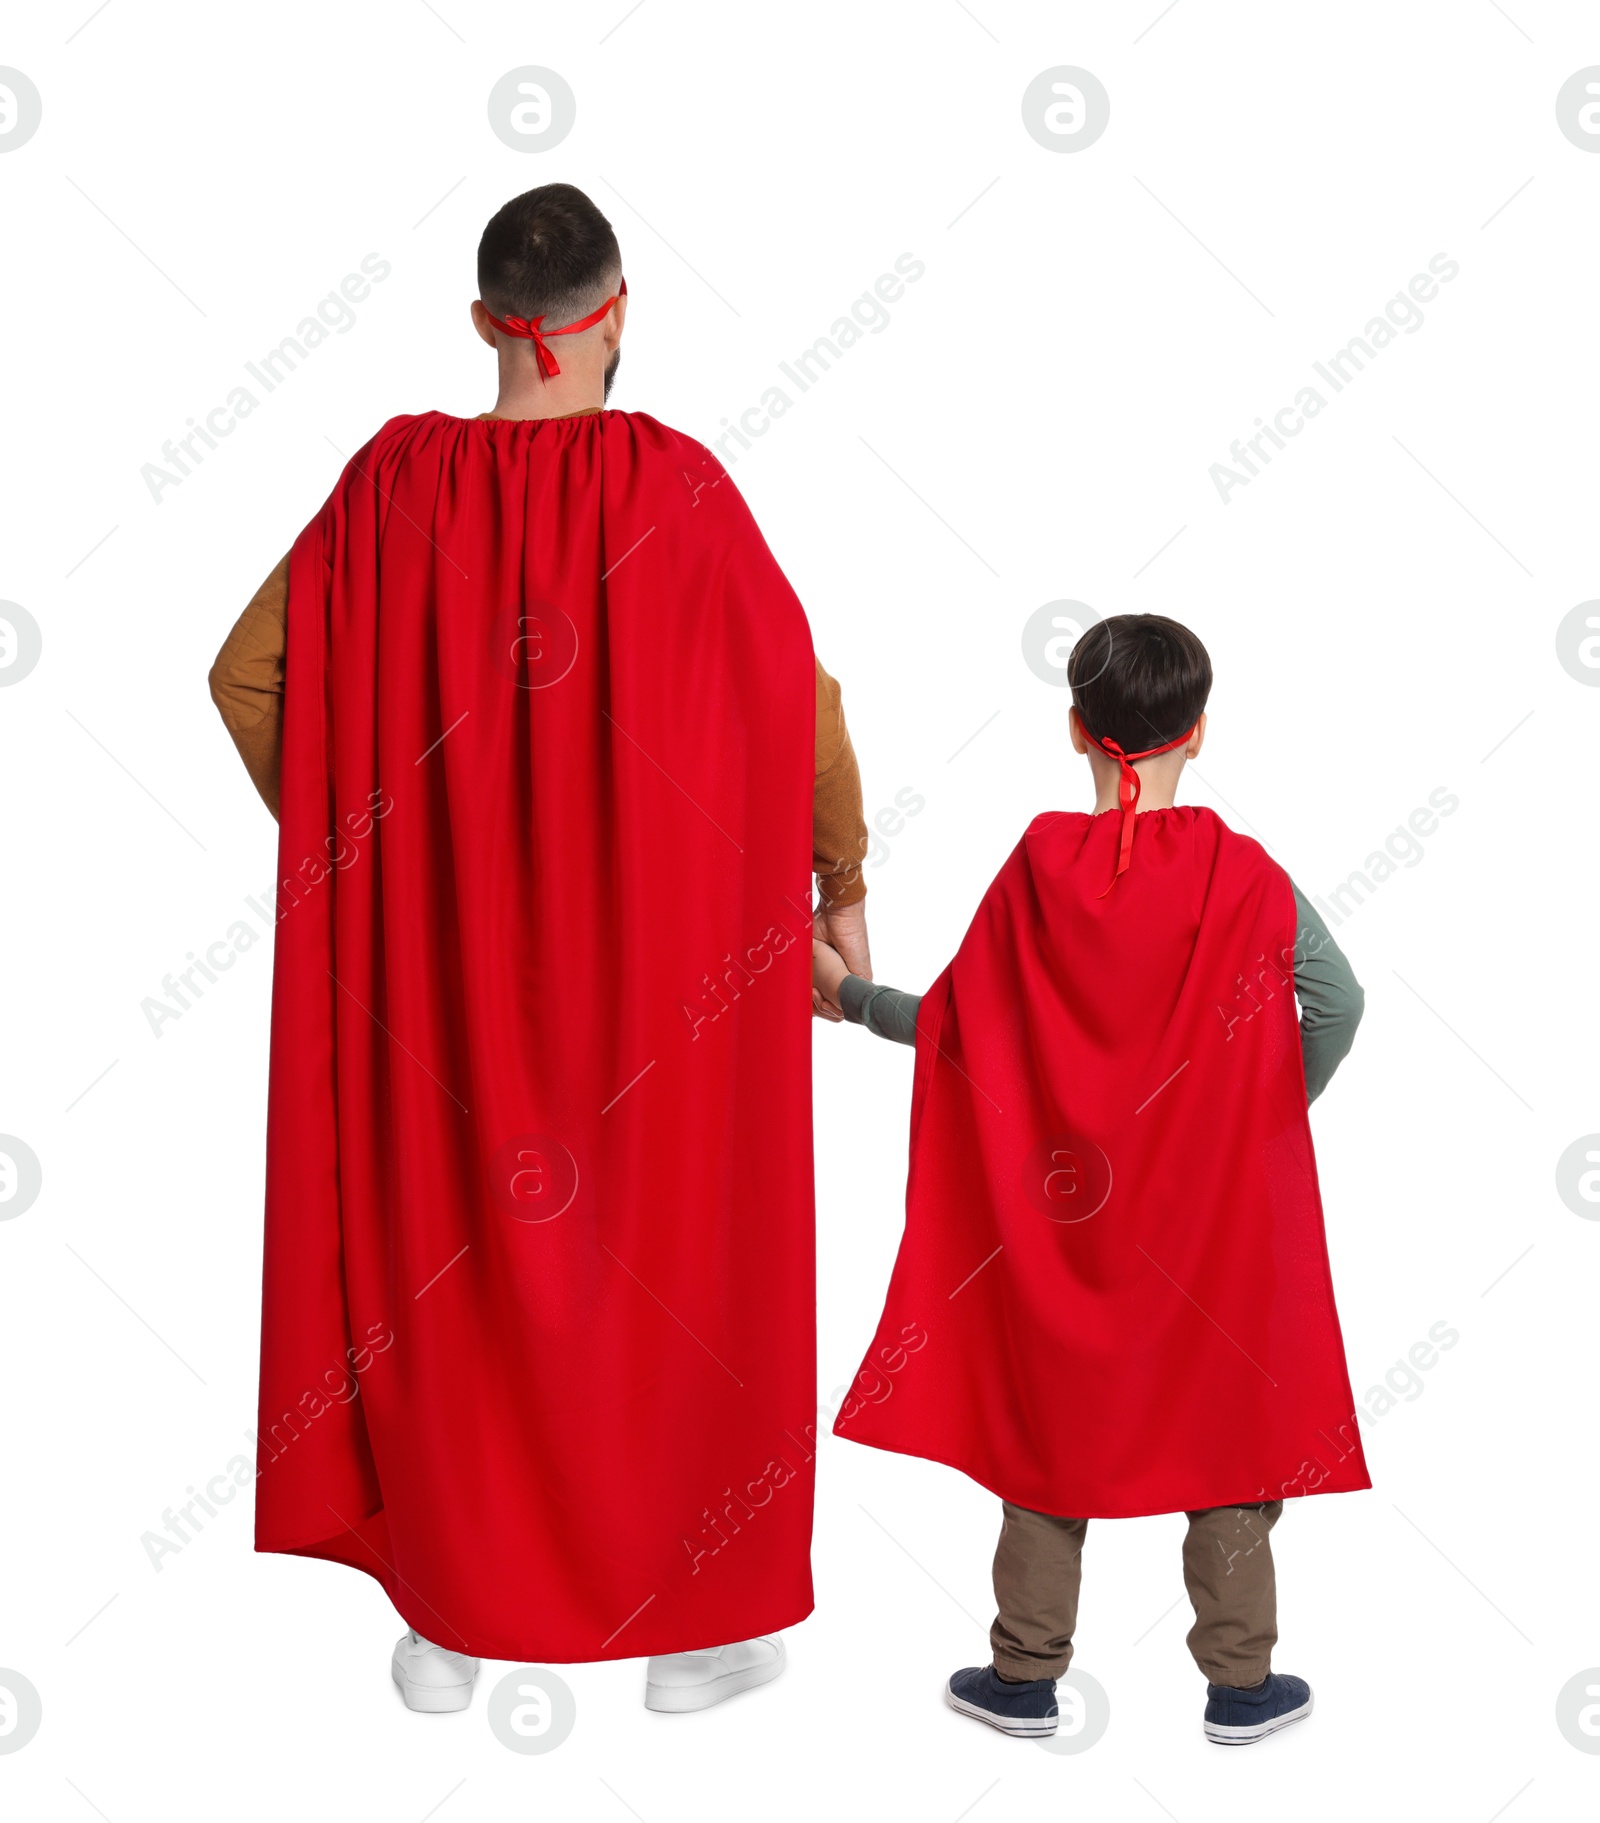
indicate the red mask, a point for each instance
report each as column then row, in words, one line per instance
column 1128, row 789
column 530, row 330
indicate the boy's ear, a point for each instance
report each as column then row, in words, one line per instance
column 1196, row 740
column 480, row 321
column 1075, row 729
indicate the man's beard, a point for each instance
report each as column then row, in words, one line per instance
column 611, row 373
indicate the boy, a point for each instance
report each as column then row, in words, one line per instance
column 1112, row 1295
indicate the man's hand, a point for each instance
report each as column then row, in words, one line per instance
column 844, row 929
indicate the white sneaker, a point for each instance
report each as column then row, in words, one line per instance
column 430, row 1678
column 677, row 1682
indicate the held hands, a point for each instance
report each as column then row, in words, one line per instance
column 841, row 932
column 827, row 973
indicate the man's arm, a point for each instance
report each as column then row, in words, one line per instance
column 1330, row 997
column 838, row 840
column 247, row 687
column 838, row 827
column 247, row 683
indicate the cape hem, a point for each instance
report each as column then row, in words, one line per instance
column 1099, row 1509
column 641, row 1642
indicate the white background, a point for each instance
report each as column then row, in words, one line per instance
column 1091, row 334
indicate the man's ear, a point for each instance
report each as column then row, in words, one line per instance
column 616, row 317
column 480, row 321
column 1075, row 729
column 1196, row 740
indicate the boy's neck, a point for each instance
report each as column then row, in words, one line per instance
column 1158, row 781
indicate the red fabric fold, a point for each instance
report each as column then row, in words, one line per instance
column 538, row 1304
column 1112, row 1295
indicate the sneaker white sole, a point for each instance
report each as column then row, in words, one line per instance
column 1257, row 1731
column 1029, row 1729
column 684, row 1699
column 431, row 1699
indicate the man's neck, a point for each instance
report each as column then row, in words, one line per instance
column 526, row 393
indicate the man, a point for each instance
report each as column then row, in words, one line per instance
column 541, row 724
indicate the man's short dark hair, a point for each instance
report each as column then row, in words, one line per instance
column 1139, row 680
column 550, row 253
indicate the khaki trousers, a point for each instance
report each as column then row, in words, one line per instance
column 1227, row 1569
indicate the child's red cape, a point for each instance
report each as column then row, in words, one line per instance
column 1112, row 1296
column 538, row 1318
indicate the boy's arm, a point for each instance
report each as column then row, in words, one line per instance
column 247, row 683
column 1330, row 997
column 885, row 1011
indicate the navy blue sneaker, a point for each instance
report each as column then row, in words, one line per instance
column 1234, row 1718
column 1025, row 1709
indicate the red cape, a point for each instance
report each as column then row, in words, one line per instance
column 538, row 1331
column 1112, row 1296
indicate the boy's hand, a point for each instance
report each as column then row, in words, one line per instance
column 827, row 972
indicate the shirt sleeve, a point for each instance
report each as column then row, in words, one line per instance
column 247, row 683
column 838, row 827
column 884, row 1011
column 1330, row 997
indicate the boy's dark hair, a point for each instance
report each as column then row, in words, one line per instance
column 1139, row 680
column 550, row 253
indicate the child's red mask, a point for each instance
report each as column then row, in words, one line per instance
column 1128, row 788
